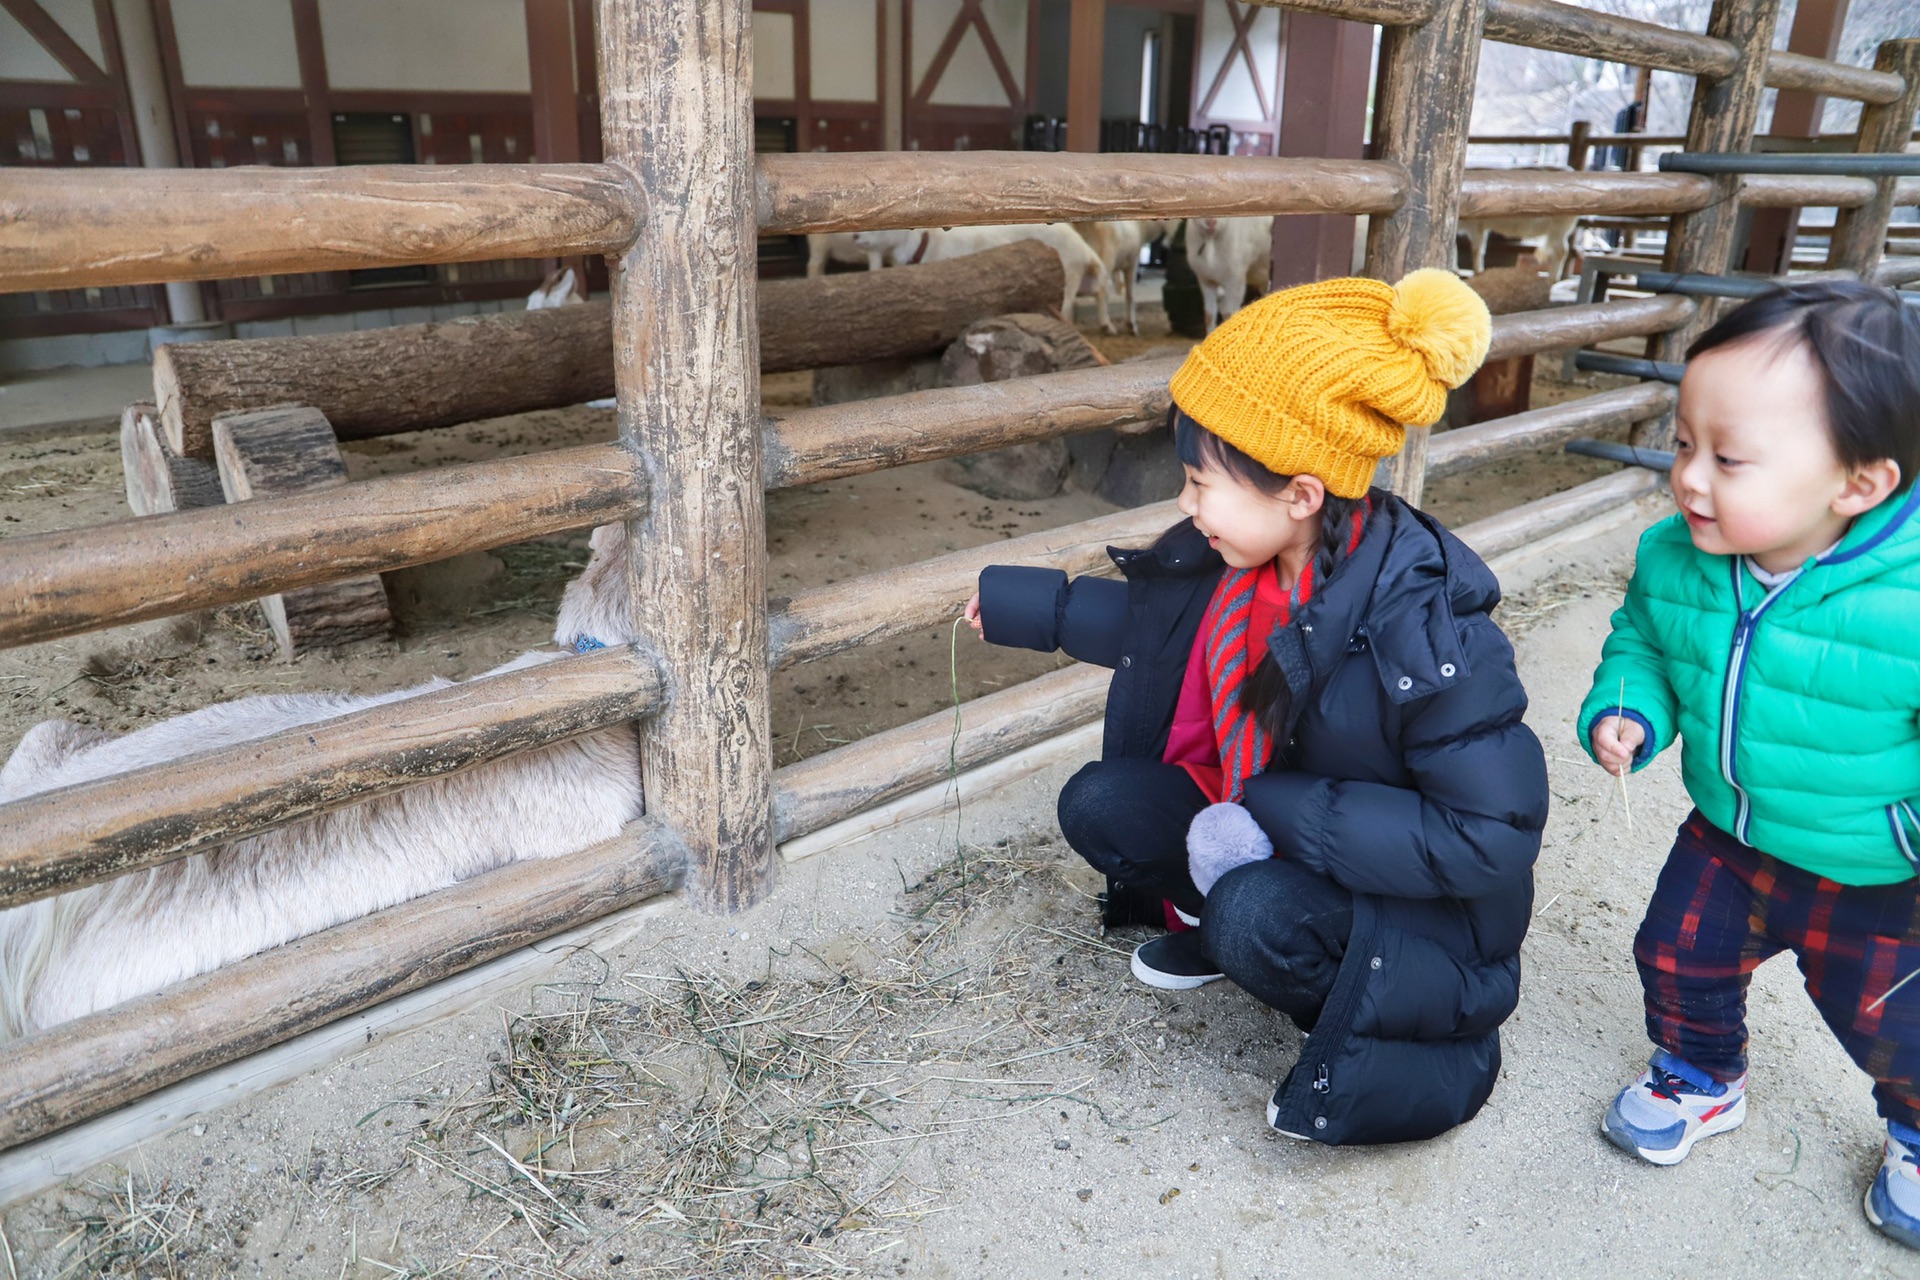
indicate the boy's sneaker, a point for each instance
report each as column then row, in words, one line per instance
column 1174, row 962
column 1670, row 1107
column 1893, row 1199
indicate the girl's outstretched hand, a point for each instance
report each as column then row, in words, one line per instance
column 1615, row 741
column 973, row 614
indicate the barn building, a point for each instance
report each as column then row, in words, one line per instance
column 218, row 83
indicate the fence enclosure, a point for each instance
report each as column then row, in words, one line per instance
column 676, row 208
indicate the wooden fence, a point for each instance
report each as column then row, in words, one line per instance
column 676, row 208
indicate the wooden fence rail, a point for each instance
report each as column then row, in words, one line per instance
column 77, row 580
column 1468, row 447
column 92, row 831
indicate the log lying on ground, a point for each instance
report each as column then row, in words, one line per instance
column 75, row 580
column 92, row 831
column 837, row 784
column 82, row 1068
column 827, row 620
column 410, row 377
column 276, row 453
column 158, row 479
column 1468, row 447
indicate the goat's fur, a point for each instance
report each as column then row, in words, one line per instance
column 1118, row 245
column 1082, row 267
column 1227, row 255
column 838, row 246
column 94, row 947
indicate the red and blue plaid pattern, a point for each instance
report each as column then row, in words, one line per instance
column 1721, row 908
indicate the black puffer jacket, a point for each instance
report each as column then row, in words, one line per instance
column 1406, row 776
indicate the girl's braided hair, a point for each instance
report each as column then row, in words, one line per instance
column 1265, row 691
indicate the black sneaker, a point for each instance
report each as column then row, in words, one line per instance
column 1174, row 962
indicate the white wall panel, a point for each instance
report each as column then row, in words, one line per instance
column 237, row 44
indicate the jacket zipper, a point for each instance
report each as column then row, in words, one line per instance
column 1736, row 677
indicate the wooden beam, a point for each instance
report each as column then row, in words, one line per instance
column 1722, row 119
column 1860, row 235
column 677, row 111
column 69, row 228
column 1389, row 13
column 1421, row 110
column 1086, row 49
column 1771, row 233
column 93, row 831
column 1484, row 442
column 79, row 580
column 556, row 107
column 1835, row 79
column 486, row 366
column 811, row 445
column 882, row 190
column 1511, row 530
column 82, row 1068
column 1780, row 191
column 1586, row 33
column 276, row 453
column 1326, row 70
column 826, row 620
column 1531, row 332
column 837, row 784
column 311, row 49
column 53, row 38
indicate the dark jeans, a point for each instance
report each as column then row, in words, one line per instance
column 1720, row 909
column 1276, row 929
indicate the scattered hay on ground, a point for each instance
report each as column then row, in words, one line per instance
column 1522, row 611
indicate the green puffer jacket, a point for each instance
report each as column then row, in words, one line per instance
column 1798, row 709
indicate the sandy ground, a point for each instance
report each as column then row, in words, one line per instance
column 921, row 1057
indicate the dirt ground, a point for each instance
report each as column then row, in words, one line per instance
column 921, row 1057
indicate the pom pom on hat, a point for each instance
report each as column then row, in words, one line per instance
column 1447, row 323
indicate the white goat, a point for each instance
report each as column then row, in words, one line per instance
column 1083, row 268
column 1554, row 232
column 559, row 289
column 1118, row 245
column 838, row 246
column 94, row 947
column 1227, row 255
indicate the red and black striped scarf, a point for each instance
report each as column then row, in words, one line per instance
column 1232, row 654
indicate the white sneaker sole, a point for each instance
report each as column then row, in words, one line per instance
column 1170, row 981
column 1273, row 1123
column 1732, row 1118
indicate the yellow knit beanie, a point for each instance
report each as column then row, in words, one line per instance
column 1318, row 379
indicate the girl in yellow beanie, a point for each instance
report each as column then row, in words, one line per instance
column 1314, row 751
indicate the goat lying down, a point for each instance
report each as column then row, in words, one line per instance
column 85, row 950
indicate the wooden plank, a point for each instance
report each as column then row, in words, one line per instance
column 1585, row 33
column 77, row 580
column 826, row 620
column 159, row 480
column 93, row 831
column 276, row 453
column 1511, row 530
column 677, row 109
column 894, row 189
column 1531, row 332
column 1086, row 51
column 1722, row 119
column 1496, row 193
column 1420, row 115
column 379, row 382
column 1860, row 235
column 837, row 784
column 1469, row 447
column 73, row 228
column 1798, row 71
column 811, row 445
column 82, row 1068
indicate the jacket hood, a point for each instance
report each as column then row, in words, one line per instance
column 1885, row 538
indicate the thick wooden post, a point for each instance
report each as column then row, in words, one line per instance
column 676, row 81
column 1326, row 64
column 1722, row 120
column 1420, row 117
column 1860, row 235
column 1086, row 50
column 1796, row 114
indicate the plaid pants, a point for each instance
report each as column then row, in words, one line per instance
column 1721, row 908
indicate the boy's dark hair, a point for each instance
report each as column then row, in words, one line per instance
column 1866, row 341
column 1265, row 691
